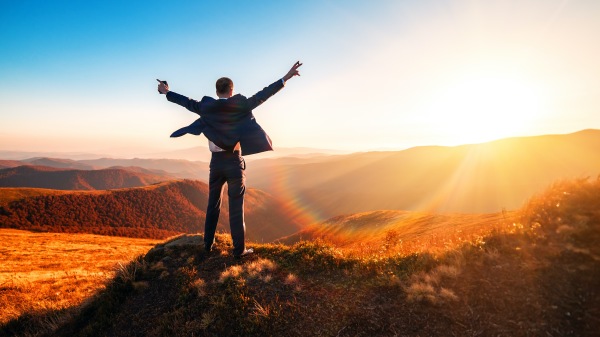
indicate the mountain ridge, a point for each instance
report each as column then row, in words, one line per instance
column 474, row 178
column 75, row 179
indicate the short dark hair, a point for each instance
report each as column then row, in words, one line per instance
column 224, row 85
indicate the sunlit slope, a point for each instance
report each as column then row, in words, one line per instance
column 56, row 271
column 480, row 178
column 420, row 231
column 155, row 211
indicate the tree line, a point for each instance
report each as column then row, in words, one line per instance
column 156, row 211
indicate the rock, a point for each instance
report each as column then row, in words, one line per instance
column 186, row 240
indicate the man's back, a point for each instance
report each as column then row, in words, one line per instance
column 225, row 122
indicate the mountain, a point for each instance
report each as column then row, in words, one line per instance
column 477, row 178
column 174, row 167
column 59, row 163
column 141, row 170
column 68, row 179
column 11, row 163
column 155, row 211
column 177, row 167
column 296, row 152
column 196, row 153
column 21, row 155
column 202, row 153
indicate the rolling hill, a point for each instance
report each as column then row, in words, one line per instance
column 367, row 230
column 179, row 168
column 478, row 178
column 69, row 179
column 155, row 211
column 173, row 167
column 11, row 163
column 58, row 163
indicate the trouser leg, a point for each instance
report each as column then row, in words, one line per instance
column 215, row 189
column 236, row 188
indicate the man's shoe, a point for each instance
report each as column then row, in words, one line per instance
column 245, row 253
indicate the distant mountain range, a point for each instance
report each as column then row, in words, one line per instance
column 475, row 178
column 69, row 179
column 201, row 153
column 155, row 211
column 178, row 168
column 196, row 153
column 59, row 163
column 478, row 178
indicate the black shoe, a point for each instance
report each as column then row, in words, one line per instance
column 245, row 253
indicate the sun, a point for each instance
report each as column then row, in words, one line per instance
column 486, row 105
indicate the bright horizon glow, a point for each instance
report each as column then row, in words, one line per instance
column 80, row 76
column 487, row 105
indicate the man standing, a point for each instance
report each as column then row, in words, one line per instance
column 232, row 130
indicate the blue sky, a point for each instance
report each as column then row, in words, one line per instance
column 80, row 75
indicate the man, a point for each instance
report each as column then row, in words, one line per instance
column 231, row 129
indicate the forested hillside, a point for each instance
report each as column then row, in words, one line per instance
column 156, row 211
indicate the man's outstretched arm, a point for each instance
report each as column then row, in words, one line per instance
column 186, row 102
column 261, row 96
column 190, row 104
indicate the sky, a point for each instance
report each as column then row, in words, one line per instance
column 80, row 76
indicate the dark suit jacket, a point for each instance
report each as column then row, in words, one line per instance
column 226, row 122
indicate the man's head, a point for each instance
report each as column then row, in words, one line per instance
column 224, row 87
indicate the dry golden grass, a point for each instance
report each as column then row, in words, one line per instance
column 387, row 233
column 42, row 272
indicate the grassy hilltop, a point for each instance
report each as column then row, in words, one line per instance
column 536, row 275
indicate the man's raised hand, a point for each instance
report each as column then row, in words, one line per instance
column 163, row 87
column 293, row 71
